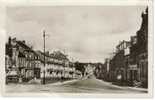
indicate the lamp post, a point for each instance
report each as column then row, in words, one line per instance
column 44, row 58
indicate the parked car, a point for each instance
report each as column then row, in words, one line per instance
column 12, row 77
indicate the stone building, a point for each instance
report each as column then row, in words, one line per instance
column 119, row 63
column 139, row 52
column 133, row 70
column 142, row 41
column 57, row 67
column 21, row 59
column 27, row 64
column 130, row 62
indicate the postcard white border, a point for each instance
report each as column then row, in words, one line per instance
column 4, row 4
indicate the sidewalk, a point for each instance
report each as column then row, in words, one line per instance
column 137, row 88
column 126, row 87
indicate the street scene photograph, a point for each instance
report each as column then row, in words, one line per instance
column 77, row 49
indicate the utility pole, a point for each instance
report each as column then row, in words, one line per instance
column 44, row 57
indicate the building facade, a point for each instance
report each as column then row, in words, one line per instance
column 25, row 64
column 57, row 67
column 129, row 64
column 22, row 58
column 138, row 69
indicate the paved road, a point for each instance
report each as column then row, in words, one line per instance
column 77, row 86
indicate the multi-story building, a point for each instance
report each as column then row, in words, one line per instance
column 26, row 60
column 139, row 53
column 119, row 63
column 130, row 62
column 142, row 41
column 57, row 67
column 26, row 64
column 21, row 58
column 133, row 70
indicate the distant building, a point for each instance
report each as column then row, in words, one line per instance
column 89, row 69
column 80, row 67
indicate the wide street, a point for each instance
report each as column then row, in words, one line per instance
column 76, row 86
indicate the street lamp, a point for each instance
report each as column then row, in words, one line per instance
column 44, row 58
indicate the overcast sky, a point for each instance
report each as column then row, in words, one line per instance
column 85, row 33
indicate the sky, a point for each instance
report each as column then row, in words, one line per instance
column 84, row 33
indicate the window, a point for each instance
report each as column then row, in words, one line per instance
column 51, row 72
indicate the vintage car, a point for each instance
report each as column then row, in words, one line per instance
column 12, row 77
